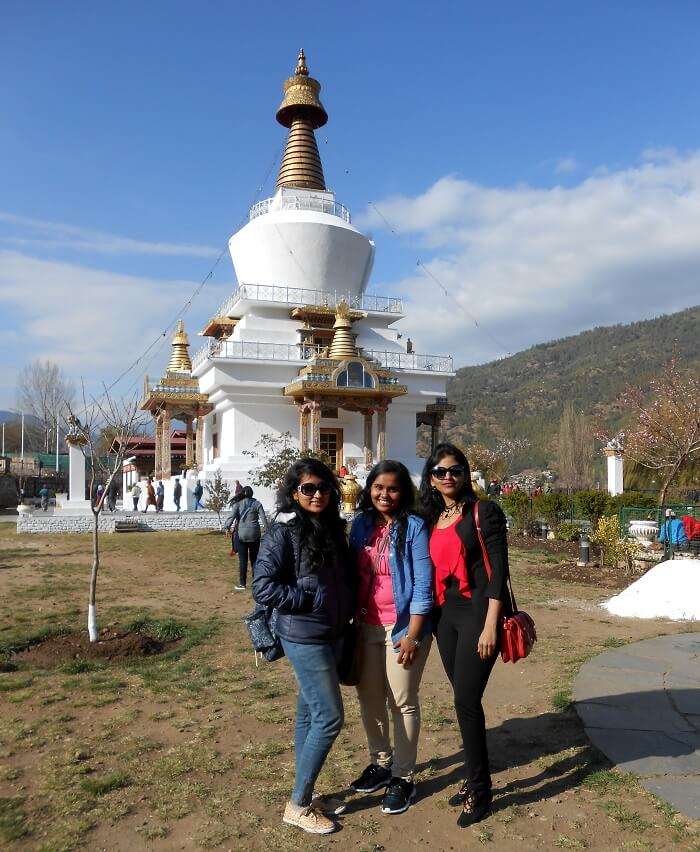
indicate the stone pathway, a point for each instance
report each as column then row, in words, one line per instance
column 640, row 705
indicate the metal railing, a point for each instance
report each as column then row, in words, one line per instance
column 257, row 351
column 302, row 296
column 296, row 202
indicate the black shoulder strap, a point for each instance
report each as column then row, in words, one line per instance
column 485, row 555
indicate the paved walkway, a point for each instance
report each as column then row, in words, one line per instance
column 640, row 705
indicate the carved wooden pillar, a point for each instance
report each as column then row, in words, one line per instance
column 158, row 461
column 381, row 433
column 189, row 444
column 303, row 427
column 368, row 438
column 165, row 456
column 199, row 443
column 316, row 426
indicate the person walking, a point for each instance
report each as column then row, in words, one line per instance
column 135, row 494
column 44, row 495
column 198, row 491
column 304, row 571
column 237, row 488
column 177, row 493
column 160, row 496
column 150, row 495
column 244, row 524
column 395, row 600
column 470, row 605
column 112, row 495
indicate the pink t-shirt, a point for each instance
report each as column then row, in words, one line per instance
column 376, row 592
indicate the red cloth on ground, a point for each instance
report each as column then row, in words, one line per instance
column 450, row 560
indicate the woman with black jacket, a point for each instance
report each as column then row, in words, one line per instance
column 303, row 571
column 470, row 605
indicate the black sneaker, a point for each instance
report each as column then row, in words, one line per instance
column 399, row 796
column 373, row 778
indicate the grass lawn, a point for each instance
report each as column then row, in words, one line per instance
column 192, row 748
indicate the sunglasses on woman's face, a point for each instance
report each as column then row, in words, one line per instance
column 455, row 471
column 309, row 489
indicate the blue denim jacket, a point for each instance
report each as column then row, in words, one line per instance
column 411, row 571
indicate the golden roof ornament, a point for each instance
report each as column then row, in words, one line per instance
column 302, row 112
column 180, row 361
column 343, row 343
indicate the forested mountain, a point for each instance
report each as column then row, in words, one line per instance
column 523, row 395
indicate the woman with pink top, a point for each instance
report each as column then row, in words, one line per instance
column 390, row 545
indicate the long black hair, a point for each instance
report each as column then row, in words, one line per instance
column 319, row 532
column 406, row 490
column 432, row 503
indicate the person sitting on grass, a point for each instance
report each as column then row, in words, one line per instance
column 304, row 571
column 395, row 599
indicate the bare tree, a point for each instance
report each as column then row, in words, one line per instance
column 44, row 391
column 122, row 419
column 574, row 449
column 665, row 434
column 218, row 495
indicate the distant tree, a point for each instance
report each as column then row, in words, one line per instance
column 124, row 419
column 218, row 495
column 276, row 453
column 44, row 391
column 495, row 462
column 665, row 434
column 574, row 450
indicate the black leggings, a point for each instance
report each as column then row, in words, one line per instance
column 458, row 632
column 247, row 550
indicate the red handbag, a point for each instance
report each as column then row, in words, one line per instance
column 518, row 633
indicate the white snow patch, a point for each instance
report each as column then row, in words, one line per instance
column 669, row 590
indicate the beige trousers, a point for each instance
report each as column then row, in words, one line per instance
column 387, row 686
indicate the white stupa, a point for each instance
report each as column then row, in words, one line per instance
column 300, row 346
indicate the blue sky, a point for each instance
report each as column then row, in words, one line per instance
column 541, row 160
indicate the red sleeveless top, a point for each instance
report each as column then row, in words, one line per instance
column 450, row 560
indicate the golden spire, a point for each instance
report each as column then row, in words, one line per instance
column 343, row 343
column 302, row 112
column 180, row 356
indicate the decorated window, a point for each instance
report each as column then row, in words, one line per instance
column 355, row 376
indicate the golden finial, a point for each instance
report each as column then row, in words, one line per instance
column 301, row 64
column 302, row 112
column 343, row 343
column 180, row 361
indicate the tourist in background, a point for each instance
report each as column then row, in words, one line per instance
column 150, row 495
column 304, row 571
column 112, row 495
column 44, row 495
column 395, row 599
column 469, row 607
column 160, row 496
column 198, row 491
column 237, row 488
column 135, row 494
column 245, row 524
column 177, row 493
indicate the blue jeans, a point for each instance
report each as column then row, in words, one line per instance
column 319, row 711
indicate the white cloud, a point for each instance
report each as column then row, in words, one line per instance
column 92, row 322
column 536, row 264
column 58, row 235
column 566, row 165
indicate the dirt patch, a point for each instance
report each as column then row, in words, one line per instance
column 111, row 646
column 551, row 546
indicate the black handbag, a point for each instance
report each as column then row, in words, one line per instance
column 261, row 624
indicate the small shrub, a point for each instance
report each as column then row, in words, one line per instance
column 106, row 784
column 552, row 507
column 613, row 548
column 567, row 531
column 593, row 504
column 517, row 505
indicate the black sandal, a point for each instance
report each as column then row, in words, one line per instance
column 458, row 797
column 476, row 806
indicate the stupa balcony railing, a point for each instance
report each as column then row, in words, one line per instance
column 303, row 297
column 253, row 350
column 300, row 202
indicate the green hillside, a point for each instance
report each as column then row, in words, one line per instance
column 523, row 395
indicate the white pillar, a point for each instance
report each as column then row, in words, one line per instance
column 615, row 471
column 76, row 473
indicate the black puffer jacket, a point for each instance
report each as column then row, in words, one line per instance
column 313, row 605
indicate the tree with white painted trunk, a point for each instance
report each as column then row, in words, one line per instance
column 123, row 419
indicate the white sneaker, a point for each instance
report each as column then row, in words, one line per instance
column 239, row 588
column 308, row 819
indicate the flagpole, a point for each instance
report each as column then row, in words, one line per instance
column 56, row 442
column 22, row 453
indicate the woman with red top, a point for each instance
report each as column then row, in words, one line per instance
column 469, row 607
column 395, row 600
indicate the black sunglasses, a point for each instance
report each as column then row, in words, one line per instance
column 309, row 489
column 455, row 471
